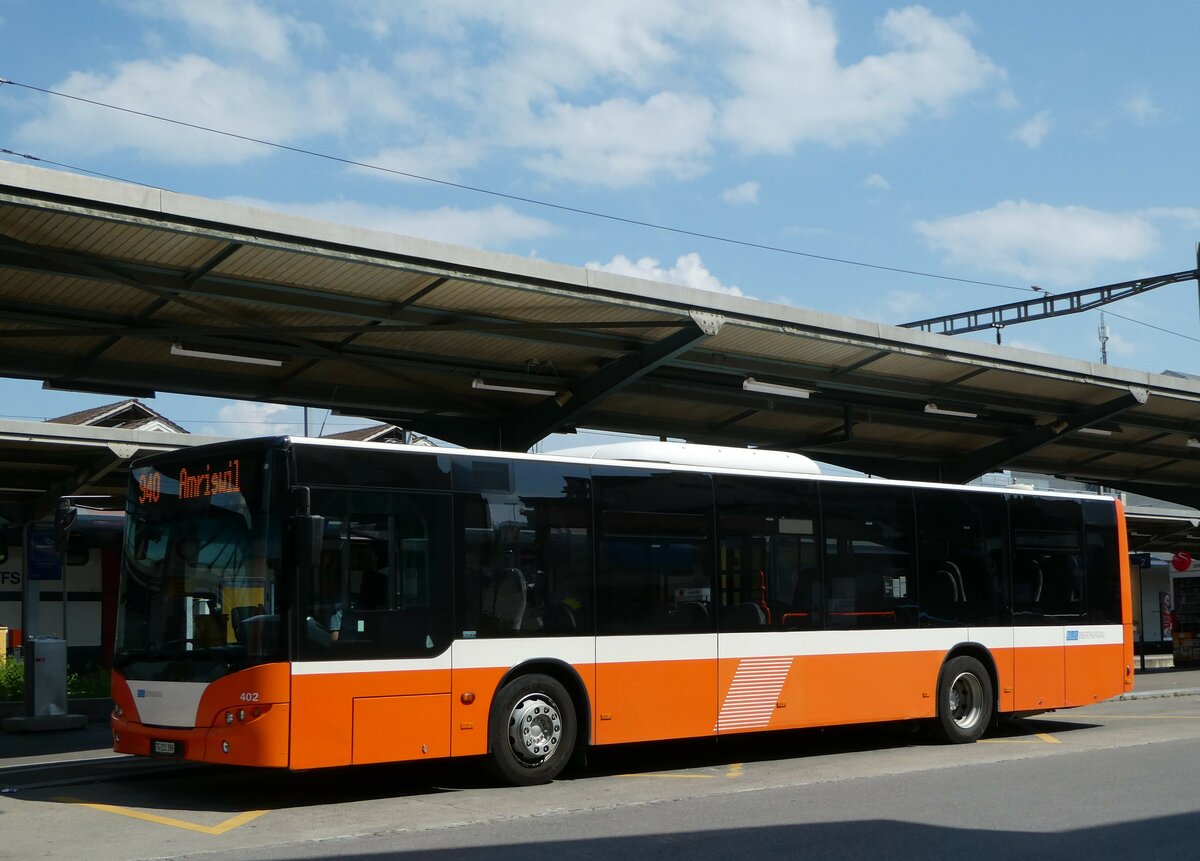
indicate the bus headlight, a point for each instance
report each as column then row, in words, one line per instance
column 228, row 717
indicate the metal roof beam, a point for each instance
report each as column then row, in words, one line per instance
column 549, row 415
column 996, row 456
column 108, row 458
column 1028, row 404
column 156, row 305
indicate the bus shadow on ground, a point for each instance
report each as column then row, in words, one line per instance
column 230, row 789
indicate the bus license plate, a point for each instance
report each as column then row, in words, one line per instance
column 166, row 748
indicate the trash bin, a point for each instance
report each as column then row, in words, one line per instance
column 47, row 694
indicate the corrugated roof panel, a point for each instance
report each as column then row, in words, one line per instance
column 523, row 304
column 347, row 277
column 467, row 349
column 919, row 368
column 782, row 347
column 110, row 240
column 57, row 292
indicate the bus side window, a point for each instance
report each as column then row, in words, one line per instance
column 870, row 576
column 1103, row 567
column 768, row 574
column 524, row 554
column 960, row 557
column 1048, row 578
column 379, row 590
column 654, row 552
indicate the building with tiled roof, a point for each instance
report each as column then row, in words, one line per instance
column 375, row 433
column 128, row 415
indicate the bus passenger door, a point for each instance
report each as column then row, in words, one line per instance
column 371, row 682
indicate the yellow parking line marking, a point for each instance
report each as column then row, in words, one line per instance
column 218, row 829
column 1038, row 736
column 735, row 770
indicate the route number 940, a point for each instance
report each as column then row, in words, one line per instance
column 249, row 697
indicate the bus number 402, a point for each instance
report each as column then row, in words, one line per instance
column 249, row 697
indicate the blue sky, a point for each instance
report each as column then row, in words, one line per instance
column 1018, row 143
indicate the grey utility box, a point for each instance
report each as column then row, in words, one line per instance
column 47, row 694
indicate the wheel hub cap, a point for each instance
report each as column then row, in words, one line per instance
column 534, row 728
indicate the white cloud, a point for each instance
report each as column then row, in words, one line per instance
column 746, row 192
column 1034, row 131
column 689, row 271
column 541, row 46
column 626, row 92
column 243, row 418
column 1039, row 243
column 793, row 88
column 621, row 142
column 443, row 158
column 1007, row 100
column 614, row 94
column 235, row 26
column 208, row 94
column 496, row 227
column 1141, row 108
column 877, row 182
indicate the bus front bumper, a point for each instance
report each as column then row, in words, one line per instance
column 256, row 740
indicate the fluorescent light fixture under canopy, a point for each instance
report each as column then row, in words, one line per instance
column 480, row 384
column 934, row 409
column 178, row 349
column 752, row 385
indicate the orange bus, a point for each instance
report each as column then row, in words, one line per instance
column 303, row 604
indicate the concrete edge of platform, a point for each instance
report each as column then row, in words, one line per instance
column 1151, row 695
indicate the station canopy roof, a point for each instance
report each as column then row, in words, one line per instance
column 126, row 289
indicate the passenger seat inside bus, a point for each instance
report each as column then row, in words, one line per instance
column 740, row 617
column 559, row 619
column 940, row 591
column 238, row 615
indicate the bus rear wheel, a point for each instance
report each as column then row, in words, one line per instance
column 531, row 733
column 964, row 701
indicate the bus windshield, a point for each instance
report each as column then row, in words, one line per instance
column 198, row 571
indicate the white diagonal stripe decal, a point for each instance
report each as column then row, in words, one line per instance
column 753, row 693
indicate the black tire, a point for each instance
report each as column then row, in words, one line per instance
column 964, row 701
column 531, row 731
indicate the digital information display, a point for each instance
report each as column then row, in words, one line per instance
column 193, row 482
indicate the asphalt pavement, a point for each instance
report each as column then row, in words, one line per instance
column 94, row 741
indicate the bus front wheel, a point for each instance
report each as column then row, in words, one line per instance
column 531, row 733
column 964, row 700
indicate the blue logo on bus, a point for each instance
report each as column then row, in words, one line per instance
column 141, row 692
column 1072, row 636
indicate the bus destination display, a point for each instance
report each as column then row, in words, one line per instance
column 193, row 483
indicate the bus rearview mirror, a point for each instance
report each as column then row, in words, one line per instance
column 308, row 531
